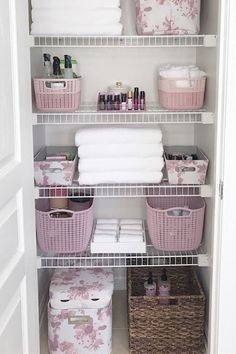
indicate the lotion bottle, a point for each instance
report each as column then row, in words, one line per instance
column 150, row 286
column 164, row 288
column 47, row 65
column 68, row 71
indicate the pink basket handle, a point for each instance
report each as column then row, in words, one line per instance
column 53, row 170
column 55, row 88
column 62, row 211
column 169, row 212
column 184, row 169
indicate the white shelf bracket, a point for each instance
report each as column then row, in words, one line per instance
column 206, row 191
column 203, row 260
column 34, row 119
column 36, row 193
column 38, row 263
column 208, row 118
column 210, row 40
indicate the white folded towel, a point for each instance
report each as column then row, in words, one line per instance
column 135, row 227
column 91, row 178
column 53, row 28
column 115, row 135
column 71, row 16
column 112, row 227
column 181, row 72
column 121, row 164
column 80, row 4
column 120, row 150
column 107, row 221
column 131, row 221
column 104, row 238
column 130, row 238
column 131, row 232
column 107, row 232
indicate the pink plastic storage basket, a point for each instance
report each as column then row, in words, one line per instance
column 63, row 235
column 57, row 99
column 181, row 93
column 169, row 232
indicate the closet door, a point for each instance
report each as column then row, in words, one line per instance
column 18, row 286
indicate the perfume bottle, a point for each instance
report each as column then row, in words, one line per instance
column 164, row 288
column 150, row 286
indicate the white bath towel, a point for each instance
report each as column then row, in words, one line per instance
column 104, row 238
column 134, row 227
column 107, row 232
column 130, row 238
column 131, row 221
column 121, row 164
column 91, row 178
column 131, row 232
column 116, row 135
column 80, row 4
column 112, row 227
column 76, row 29
column 80, row 17
column 107, row 221
column 181, row 72
column 120, row 150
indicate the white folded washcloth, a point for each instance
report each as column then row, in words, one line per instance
column 130, row 238
column 91, row 178
column 53, row 28
column 115, row 135
column 107, row 232
column 136, row 227
column 181, row 72
column 112, row 227
column 131, row 221
column 131, row 232
column 71, row 16
column 107, row 221
column 121, row 164
column 80, row 4
column 119, row 150
column 104, row 238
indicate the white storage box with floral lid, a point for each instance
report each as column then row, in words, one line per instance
column 80, row 311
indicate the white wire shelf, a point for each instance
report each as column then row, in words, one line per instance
column 123, row 41
column 124, row 190
column 151, row 258
column 88, row 115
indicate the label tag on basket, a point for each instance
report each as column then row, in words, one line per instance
column 80, row 320
column 185, row 169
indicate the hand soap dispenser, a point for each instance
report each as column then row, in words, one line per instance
column 150, row 286
column 164, row 288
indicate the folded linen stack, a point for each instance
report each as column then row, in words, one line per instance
column 119, row 155
column 76, row 17
column 182, row 74
column 131, row 230
column 106, row 231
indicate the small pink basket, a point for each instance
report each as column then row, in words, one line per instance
column 57, row 99
column 63, row 235
column 169, row 232
column 181, row 93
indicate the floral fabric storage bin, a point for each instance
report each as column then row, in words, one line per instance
column 55, row 166
column 173, row 17
column 80, row 311
column 181, row 171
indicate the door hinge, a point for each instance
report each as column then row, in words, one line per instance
column 221, row 190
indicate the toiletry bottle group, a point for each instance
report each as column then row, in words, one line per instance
column 122, row 101
column 54, row 70
column 162, row 289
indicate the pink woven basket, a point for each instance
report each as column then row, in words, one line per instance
column 57, row 99
column 169, row 232
column 63, row 235
column 181, row 93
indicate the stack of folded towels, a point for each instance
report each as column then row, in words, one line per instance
column 119, row 155
column 76, row 17
column 183, row 74
column 113, row 230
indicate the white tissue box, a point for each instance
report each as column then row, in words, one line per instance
column 119, row 247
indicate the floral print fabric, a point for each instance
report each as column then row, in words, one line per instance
column 176, row 17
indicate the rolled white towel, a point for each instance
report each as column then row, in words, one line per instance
column 130, row 238
column 131, row 221
column 181, row 72
column 107, row 221
column 91, row 178
column 112, row 227
column 136, row 227
column 81, row 4
column 107, row 232
column 118, row 135
column 122, row 164
column 104, row 238
column 120, row 150
column 52, row 28
column 131, row 232
column 71, row 16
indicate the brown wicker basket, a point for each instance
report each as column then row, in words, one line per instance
column 177, row 328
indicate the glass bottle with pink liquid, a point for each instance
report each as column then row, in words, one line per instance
column 164, row 288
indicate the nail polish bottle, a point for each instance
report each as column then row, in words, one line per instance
column 150, row 286
column 142, row 101
column 164, row 288
column 136, row 98
column 130, row 100
column 117, row 102
column 109, row 103
column 123, row 101
column 102, row 102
